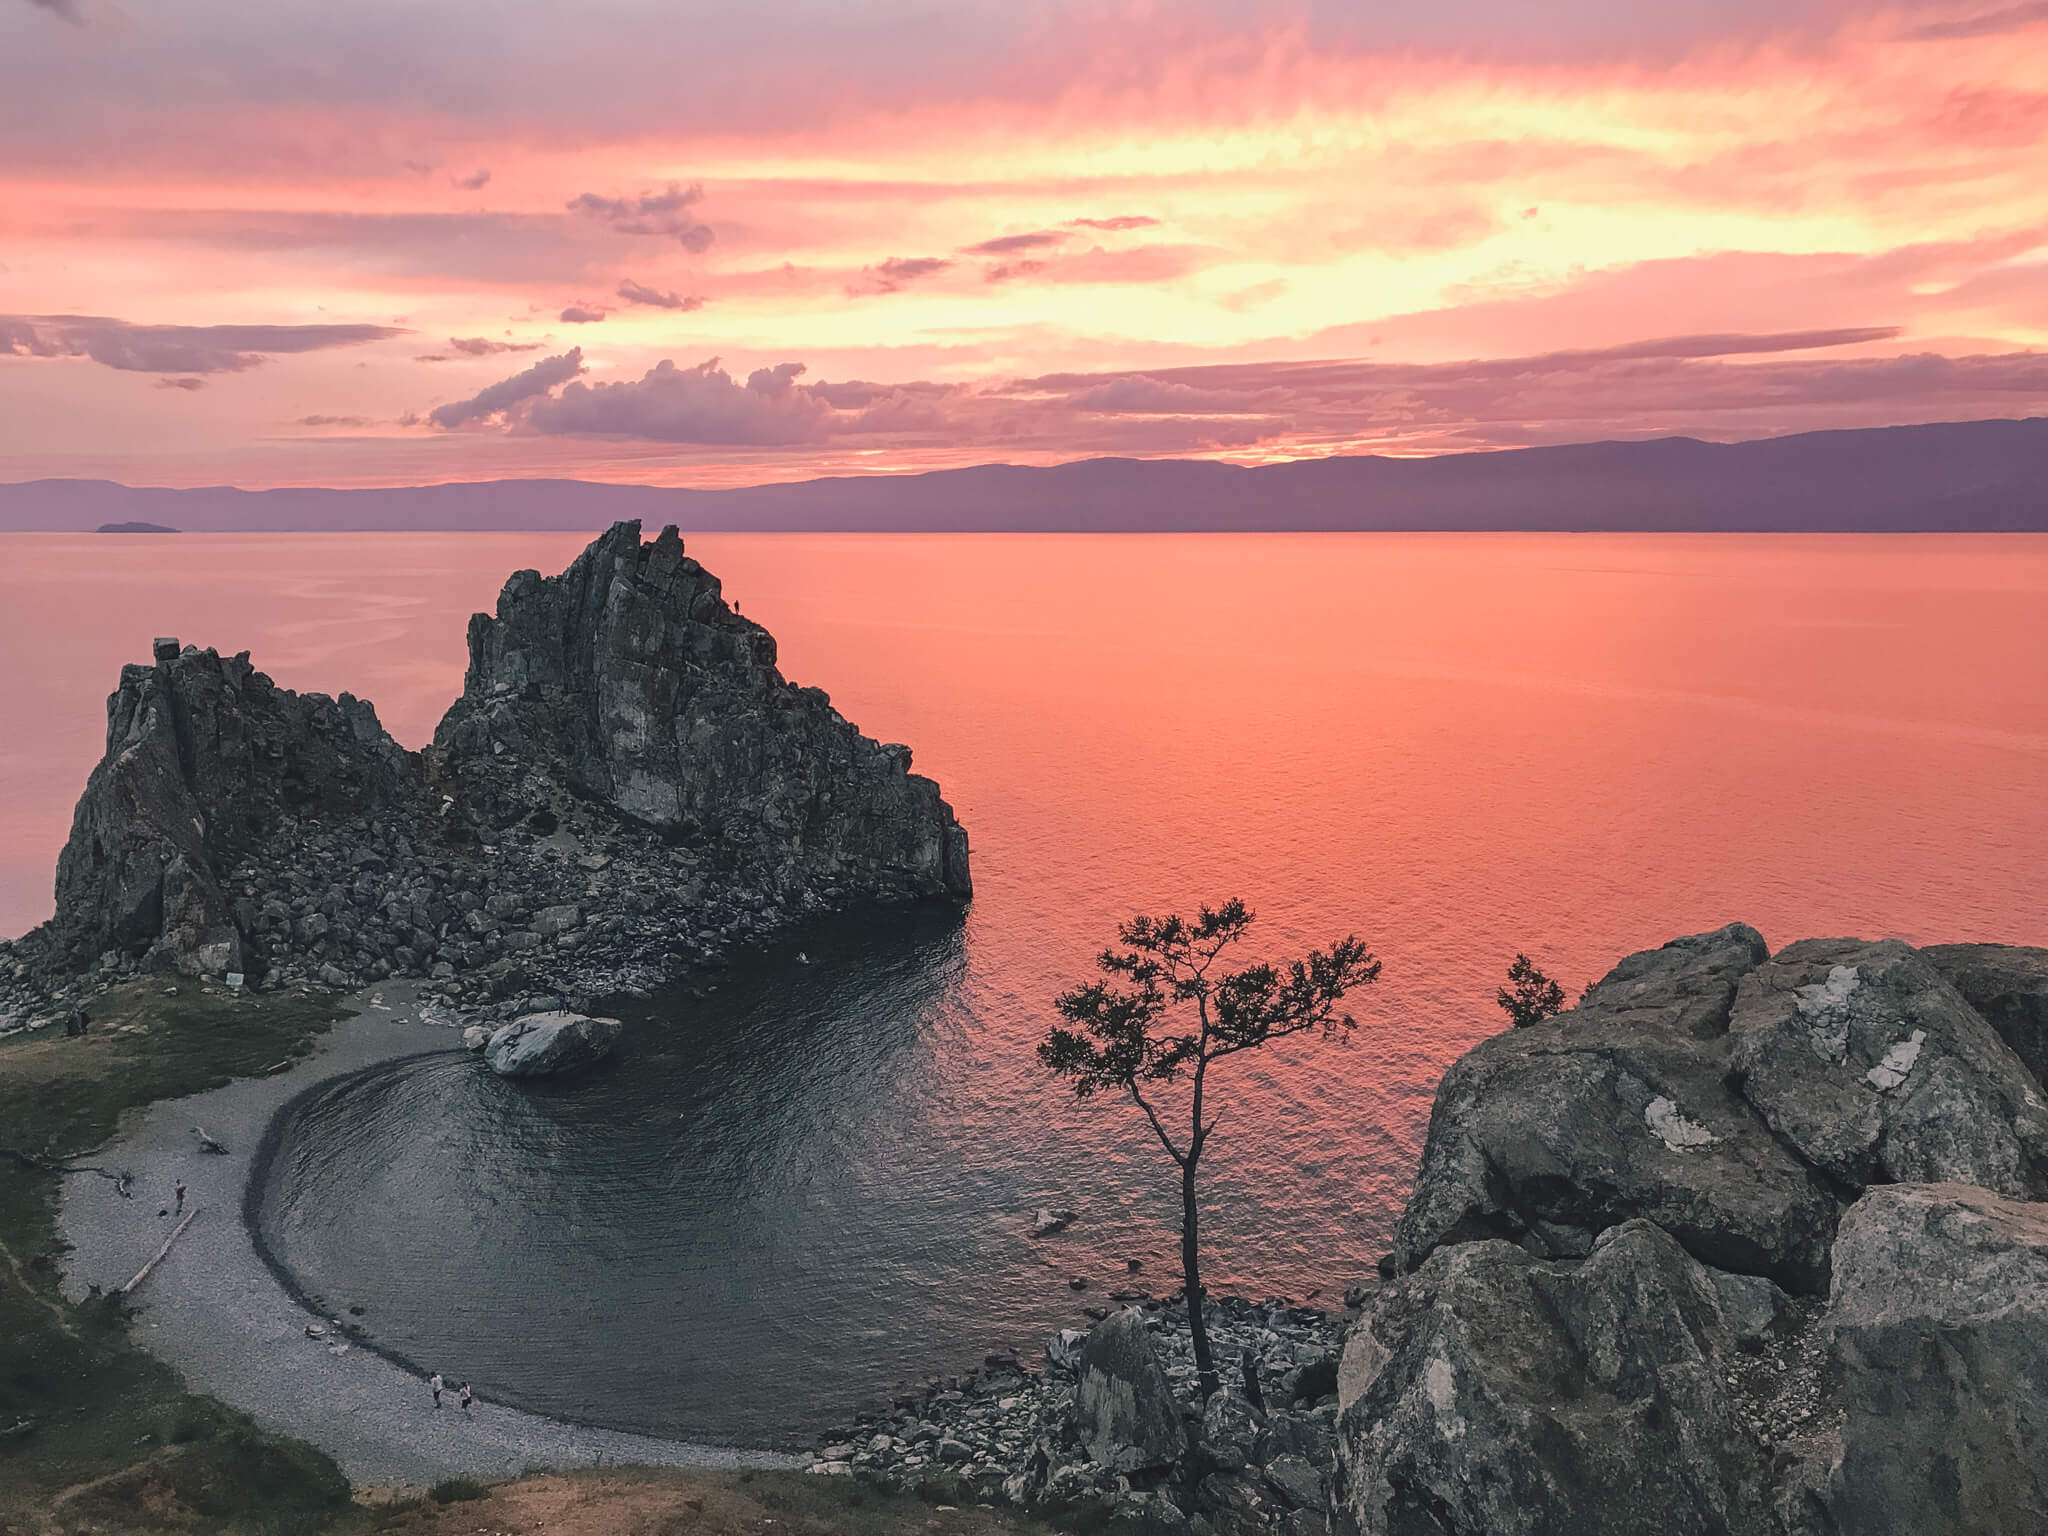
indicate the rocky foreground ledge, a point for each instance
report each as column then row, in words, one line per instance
column 626, row 786
column 1747, row 1244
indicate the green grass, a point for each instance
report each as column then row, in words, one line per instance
column 109, row 1439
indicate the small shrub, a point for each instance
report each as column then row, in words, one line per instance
column 458, row 1490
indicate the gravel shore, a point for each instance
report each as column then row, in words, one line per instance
column 213, row 1308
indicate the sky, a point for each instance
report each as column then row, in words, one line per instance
column 682, row 243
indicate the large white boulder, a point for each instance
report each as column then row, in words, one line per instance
column 543, row 1044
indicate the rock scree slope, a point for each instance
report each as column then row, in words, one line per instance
column 626, row 784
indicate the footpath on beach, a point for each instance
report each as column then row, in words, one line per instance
column 212, row 1308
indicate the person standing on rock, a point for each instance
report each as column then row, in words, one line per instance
column 468, row 1397
column 181, row 1197
column 434, row 1381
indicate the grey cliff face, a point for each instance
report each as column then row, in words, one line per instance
column 626, row 784
column 1773, row 1260
column 205, row 759
column 630, row 677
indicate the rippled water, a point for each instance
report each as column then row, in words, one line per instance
column 789, row 1194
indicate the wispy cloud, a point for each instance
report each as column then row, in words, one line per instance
column 68, row 9
column 1120, row 222
column 483, row 346
column 475, row 181
column 583, row 314
column 2013, row 18
column 506, row 394
column 639, row 293
column 893, row 275
column 1010, row 245
column 652, row 213
column 184, row 349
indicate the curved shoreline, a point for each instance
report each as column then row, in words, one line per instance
column 220, row 1309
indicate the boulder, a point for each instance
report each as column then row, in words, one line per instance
column 1495, row 1394
column 1619, row 1109
column 1939, row 1323
column 545, row 1044
column 1124, row 1409
column 2008, row 986
column 1872, row 1068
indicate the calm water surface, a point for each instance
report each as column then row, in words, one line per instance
column 816, row 1181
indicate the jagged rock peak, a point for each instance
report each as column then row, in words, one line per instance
column 205, row 758
column 634, row 679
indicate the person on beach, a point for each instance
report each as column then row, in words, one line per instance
column 434, row 1381
column 181, row 1197
column 468, row 1397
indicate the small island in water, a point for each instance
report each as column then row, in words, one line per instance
column 134, row 528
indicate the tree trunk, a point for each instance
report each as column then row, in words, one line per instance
column 1191, row 1272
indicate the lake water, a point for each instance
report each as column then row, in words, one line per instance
column 817, row 1181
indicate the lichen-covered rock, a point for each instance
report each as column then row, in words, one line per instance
column 1549, row 1135
column 2008, row 985
column 205, row 759
column 630, row 678
column 1939, row 1320
column 1495, row 1394
column 549, row 1044
column 1124, row 1408
column 1870, row 1066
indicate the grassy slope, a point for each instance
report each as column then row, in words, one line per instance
column 113, row 1440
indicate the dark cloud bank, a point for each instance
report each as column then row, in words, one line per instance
column 186, row 349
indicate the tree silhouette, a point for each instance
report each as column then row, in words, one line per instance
column 1165, row 969
column 1530, row 997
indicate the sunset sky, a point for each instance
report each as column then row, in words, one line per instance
column 298, row 242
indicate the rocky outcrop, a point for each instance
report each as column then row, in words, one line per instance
column 1489, row 1391
column 1939, row 1321
column 550, row 1044
column 1873, row 1069
column 630, row 680
column 1620, row 1109
column 626, row 786
column 1744, row 1243
column 2008, row 986
column 207, row 763
column 1124, row 1409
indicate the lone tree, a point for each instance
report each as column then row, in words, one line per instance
column 1530, row 996
column 1165, row 971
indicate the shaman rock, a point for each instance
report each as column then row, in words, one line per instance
column 630, row 679
column 205, row 759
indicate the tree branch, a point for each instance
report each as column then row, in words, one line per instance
column 1158, row 1130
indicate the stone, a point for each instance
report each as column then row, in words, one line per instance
column 1063, row 1349
column 549, row 922
column 475, row 1037
column 1299, row 1485
column 1491, row 1393
column 2008, row 986
column 1621, row 1109
column 1865, row 1061
column 1123, row 1401
column 1048, row 1222
column 1938, row 1318
column 547, row 1044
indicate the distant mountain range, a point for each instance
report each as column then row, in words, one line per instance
column 1961, row 476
